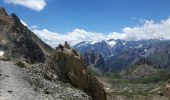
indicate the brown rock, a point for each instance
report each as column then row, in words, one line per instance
column 70, row 67
column 167, row 88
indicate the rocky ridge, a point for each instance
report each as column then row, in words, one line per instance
column 70, row 67
column 17, row 41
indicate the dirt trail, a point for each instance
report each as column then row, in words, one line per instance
column 13, row 86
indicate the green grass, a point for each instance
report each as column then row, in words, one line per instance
column 117, row 76
column 119, row 79
column 129, row 94
column 160, row 76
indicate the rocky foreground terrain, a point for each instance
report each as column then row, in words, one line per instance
column 32, row 70
column 18, row 83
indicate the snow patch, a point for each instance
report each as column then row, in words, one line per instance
column 145, row 50
column 140, row 45
column 93, row 42
column 83, row 44
column 124, row 43
column 1, row 53
column 112, row 43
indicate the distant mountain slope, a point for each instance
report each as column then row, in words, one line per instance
column 95, row 61
column 120, row 53
column 102, row 48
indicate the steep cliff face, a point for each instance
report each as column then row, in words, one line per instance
column 17, row 41
column 94, row 60
column 70, row 67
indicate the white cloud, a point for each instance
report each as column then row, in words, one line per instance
column 149, row 30
column 74, row 37
column 36, row 5
column 51, row 38
column 79, row 35
column 116, row 35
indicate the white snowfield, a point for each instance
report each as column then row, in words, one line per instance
column 1, row 53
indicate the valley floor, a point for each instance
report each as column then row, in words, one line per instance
column 128, row 91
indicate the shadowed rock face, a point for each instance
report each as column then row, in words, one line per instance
column 70, row 67
column 95, row 60
column 17, row 41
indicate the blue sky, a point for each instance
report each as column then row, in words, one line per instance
column 93, row 15
column 56, row 21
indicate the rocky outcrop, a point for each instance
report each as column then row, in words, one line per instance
column 167, row 89
column 17, row 41
column 70, row 67
column 34, row 82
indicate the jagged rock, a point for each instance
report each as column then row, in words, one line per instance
column 15, row 17
column 70, row 67
column 95, row 61
column 66, row 45
column 167, row 89
column 17, row 41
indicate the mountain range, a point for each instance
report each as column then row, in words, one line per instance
column 134, row 70
column 90, row 70
column 119, row 54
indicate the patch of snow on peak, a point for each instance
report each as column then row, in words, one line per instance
column 82, row 44
column 145, row 50
column 1, row 53
column 124, row 43
column 93, row 42
column 140, row 45
column 111, row 55
column 111, row 43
